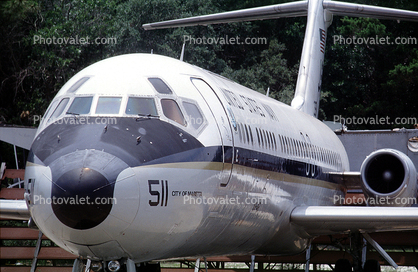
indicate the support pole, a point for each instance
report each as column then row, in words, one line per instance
column 88, row 265
column 37, row 249
column 364, row 253
column 77, row 266
column 379, row 249
column 130, row 266
column 252, row 263
column 206, row 264
column 308, row 258
column 17, row 165
column 197, row 265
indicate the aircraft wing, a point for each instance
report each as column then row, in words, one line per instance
column 324, row 220
column 14, row 210
column 293, row 9
column 19, row 136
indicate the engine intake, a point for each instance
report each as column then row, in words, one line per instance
column 389, row 178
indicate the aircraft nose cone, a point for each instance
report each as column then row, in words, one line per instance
column 82, row 198
column 83, row 185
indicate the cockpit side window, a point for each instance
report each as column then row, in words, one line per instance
column 193, row 115
column 141, row 106
column 80, row 105
column 160, row 85
column 172, row 111
column 60, row 108
column 49, row 111
column 108, row 105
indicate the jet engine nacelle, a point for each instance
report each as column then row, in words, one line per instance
column 389, row 178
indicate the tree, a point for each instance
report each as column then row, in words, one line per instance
column 271, row 71
column 359, row 79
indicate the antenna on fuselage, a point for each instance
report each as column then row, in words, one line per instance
column 268, row 91
column 182, row 52
column 152, row 51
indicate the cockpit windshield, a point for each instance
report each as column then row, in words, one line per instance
column 80, row 105
column 108, row 105
column 141, row 106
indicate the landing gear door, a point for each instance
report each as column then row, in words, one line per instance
column 223, row 121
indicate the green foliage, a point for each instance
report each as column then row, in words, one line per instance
column 359, row 80
column 270, row 71
column 365, row 80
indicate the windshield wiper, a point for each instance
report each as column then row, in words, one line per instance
column 72, row 113
column 147, row 116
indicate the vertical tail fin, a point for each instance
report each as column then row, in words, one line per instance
column 308, row 86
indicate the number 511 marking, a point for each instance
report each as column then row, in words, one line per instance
column 158, row 191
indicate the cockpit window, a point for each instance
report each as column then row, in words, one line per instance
column 193, row 115
column 108, row 105
column 141, row 106
column 172, row 111
column 80, row 105
column 77, row 85
column 49, row 110
column 60, row 108
column 159, row 85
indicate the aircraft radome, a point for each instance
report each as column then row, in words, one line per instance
column 142, row 157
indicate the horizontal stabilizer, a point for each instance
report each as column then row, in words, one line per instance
column 293, row 9
column 323, row 220
column 358, row 10
column 14, row 210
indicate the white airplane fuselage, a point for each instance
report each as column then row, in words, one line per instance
column 191, row 164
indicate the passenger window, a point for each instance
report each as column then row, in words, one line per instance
column 80, row 105
column 141, row 106
column 258, row 136
column 274, row 141
column 194, row 116
column 160, row 85
column 172, row 111
column 60, row 108
column 239, row 132
column 243, row 134
column 246, row 133
column 108, row 105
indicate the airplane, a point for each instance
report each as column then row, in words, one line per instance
column 142, row 158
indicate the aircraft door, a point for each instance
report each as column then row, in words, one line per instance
column 220, row 114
